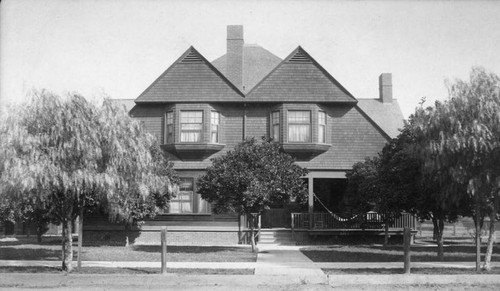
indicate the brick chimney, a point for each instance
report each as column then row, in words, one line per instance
column 385, row 87
column 234, row 55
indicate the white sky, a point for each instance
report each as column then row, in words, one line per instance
column 121, row 47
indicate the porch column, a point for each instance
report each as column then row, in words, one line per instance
column 311, row 194
column 310, row 181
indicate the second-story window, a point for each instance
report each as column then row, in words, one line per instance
column 299, row 126
column 169, row 129
column 191, row 126
column 321, row 127
column 214, row 127
column 275, row 125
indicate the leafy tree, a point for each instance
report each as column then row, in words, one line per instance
column 63, row 152
column 363, row 183
column 371, row 186
column 250, row 178
column 462, row 138
column 402, row 160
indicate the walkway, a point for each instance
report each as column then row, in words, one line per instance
column 288, row 263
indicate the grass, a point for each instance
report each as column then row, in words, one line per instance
column 100, row 270
column 376, row 253
column 422, row 271
column 51, row 251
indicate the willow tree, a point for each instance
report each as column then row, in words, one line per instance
column 462, row 136
column 62, row 152
column 250, row 178
column 404, row 166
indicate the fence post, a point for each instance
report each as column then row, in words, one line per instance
column 292, row 224
column 164, row 250
column 406, row 247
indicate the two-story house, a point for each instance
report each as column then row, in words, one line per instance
column 200, row 110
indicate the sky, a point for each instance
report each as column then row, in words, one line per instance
column 119, row 47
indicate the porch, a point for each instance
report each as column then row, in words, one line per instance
column 366, row 225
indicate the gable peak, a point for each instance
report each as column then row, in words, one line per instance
column 191, row 56
column 299, row 56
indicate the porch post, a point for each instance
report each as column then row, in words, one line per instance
column 311, row 200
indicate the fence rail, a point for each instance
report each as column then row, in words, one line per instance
column 369, row 220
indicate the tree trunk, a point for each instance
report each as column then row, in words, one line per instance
column 477, row 222
column 440, row 239
column 435, row 229
column 127, row 234
column 80, row 239
column 39, row 232
column 239, row 230
column 252, row 235
column 67, row 246
column 491, row 238
column 386, row 234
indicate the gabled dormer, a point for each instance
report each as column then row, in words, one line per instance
column 184, row 90
column 299, row 78
column 191, row 78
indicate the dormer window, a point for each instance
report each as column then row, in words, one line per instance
column 193, row 134
column 299, row 126
column 191, row 126
column 214, row 127
column 321, row 127
column 169, row 127
column 275, row 125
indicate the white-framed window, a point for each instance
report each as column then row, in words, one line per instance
column 203, row 206
column 169, row 127
column 214, row 126
column 321, row 127
column 299, row 126
column 275, row 125
column 191, row 126
column 183, row 202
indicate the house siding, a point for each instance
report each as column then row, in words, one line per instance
column 351, row 135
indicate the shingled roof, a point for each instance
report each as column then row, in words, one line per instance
column 191, row 79
column 387, row 116
column 299, row 78
column 257, row 63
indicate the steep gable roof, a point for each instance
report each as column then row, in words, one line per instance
column 257, row 63
column 299, row 78
column 387, row 116
column 191, row 79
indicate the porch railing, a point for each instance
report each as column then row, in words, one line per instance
column 370, row 220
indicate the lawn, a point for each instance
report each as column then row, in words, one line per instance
column 377, row 253
column 51, row 251
column 100, row 270
column 422, row 271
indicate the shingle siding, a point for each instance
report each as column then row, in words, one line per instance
column 257, row 122
column 351, row 135
column 353, row 138
column 152, row 118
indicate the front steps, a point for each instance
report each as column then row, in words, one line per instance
column 276, row 236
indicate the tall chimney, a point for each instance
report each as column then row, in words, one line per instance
column 234, row 55
column 385, row 87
